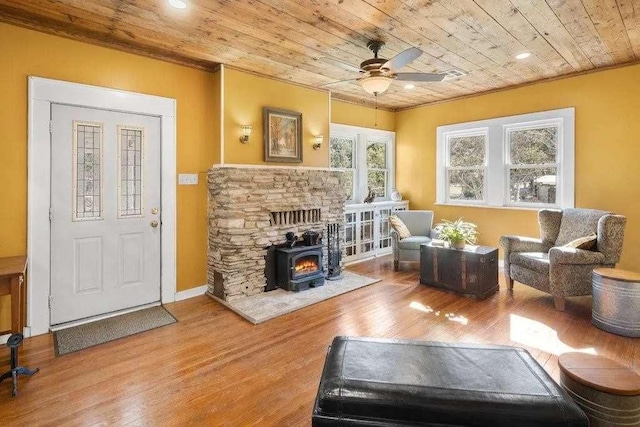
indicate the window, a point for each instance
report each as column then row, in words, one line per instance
column 517, row 161
column 342, row 157
column 377, row 171
column 466, row 162
column 532, row 164
column 366, row 155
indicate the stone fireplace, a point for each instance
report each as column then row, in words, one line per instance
column 251, row 209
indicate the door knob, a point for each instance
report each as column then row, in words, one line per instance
column 154, row 223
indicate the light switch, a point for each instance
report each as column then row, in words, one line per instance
column 188, row 179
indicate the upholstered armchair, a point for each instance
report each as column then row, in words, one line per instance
column 419, row 224
column 547, row 265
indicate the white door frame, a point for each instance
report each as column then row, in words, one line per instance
column 42, row 93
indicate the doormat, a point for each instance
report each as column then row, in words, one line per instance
column 267, row 305
column 91, row 334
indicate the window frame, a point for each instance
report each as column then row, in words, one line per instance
column 367, row 143
column 353, row 168
column 363, row 137
column 508, row 165
column 463, row 133
column 498, row 161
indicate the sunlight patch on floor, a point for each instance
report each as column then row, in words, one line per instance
column 460, row 319
column 419, row 306
column 450, row 316
column 538, row 335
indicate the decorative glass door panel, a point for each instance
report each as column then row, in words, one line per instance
column 384, row 239
column 130, row 161
column 350, row 243
column 87, row 170
column 367, row 229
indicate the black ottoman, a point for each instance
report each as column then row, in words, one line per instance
column 375, row 382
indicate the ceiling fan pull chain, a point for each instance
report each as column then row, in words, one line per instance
column 376, row 111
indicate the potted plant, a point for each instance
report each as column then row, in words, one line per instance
column 457, row 233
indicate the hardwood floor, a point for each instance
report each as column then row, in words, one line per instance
column 214, row 368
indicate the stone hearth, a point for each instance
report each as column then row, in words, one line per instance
column 251, row 209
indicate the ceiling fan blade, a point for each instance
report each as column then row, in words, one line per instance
column 419, row 77
column 402, row 59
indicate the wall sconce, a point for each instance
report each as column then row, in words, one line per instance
column 246, row 132
column 318, row 142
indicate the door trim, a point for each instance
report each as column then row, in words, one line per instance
column 42, row 93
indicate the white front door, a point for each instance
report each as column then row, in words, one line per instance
column 105, row 212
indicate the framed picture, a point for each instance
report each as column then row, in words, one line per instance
column 282, row 135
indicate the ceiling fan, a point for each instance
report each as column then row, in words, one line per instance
column 378, row 73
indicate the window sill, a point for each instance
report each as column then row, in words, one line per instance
column 376, row 203
column 478, row 206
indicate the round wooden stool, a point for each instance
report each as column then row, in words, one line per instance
column 616, row 301
column 606, row 391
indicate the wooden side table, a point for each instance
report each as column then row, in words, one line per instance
column 12, row 274
column 616, row 301
column 608, row 392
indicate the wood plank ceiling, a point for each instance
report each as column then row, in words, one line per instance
column 317, row 42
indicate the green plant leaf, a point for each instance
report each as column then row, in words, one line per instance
column 457, row 231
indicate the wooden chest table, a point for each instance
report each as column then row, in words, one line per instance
column 472, row 271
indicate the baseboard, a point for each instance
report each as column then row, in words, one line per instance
column 190, row 293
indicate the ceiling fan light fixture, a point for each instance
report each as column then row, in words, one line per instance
column 375, row 85
column 523, row 55
column 178, row 4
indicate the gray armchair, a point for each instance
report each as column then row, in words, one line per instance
column 545, row 264
column 419, row 224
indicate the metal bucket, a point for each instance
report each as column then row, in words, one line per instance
column 616, row 306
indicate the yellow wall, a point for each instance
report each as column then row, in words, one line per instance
column 199, row 109
column 606, row 135
column 346, row 113
column 607, row 149
column 244, row 96
column 27, row 52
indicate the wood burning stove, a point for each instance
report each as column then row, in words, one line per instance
column 299, row 267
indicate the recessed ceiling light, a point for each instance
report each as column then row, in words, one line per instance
column 178, row 4
column 523, row 55
column 409, row 86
